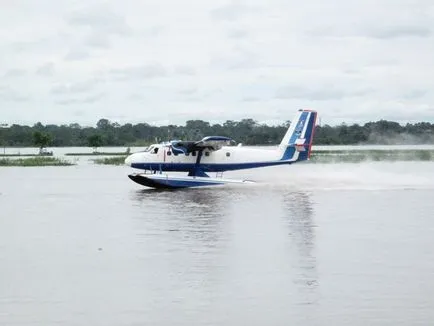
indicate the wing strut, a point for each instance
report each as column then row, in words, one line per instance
column 197, row 171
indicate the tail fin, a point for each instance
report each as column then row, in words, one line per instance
column 297, row 143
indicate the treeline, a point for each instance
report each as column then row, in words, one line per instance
column 246, row 131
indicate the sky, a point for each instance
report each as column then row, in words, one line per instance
column 169, row 61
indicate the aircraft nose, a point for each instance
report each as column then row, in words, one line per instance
column 129, row 160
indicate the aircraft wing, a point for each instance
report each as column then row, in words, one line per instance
column 212, row 143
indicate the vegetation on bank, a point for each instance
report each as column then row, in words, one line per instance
column 23, row 155
column 246, row 131
column 118, row 160
column 34, row 161
column 98, row 154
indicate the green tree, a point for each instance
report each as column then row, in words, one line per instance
column 95, row 141
column 2, row 139
column 42, row 140
column 103, row 124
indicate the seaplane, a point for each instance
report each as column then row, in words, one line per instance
column 218, row 154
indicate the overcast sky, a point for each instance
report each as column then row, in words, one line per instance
column 169, row 61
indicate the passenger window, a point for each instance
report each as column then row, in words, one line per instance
column 228, row 154
column 206, row 153
column 193, row 153
column 187, row 154
column 169, row 153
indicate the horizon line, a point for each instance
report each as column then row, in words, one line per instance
column 263, row 122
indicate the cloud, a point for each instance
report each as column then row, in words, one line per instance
column 376, row 31
column 78, row 113
column 252, row 99
column 415, row 93
column 230, row 12
column 98, row 40
column 8, row 94
column 384, row 21
column 17, row 72
column 135, row 97
column 138, row 72
column 158, row 60
column 185, row 70
column 152, row 31
column 188, row 91
column 90, row 99
column 96, row 26
column 393, row 32
column 322, row 93
column 236, row 58
column 47, row 69
column 73, row 88
column 24, row 46
column 237, row 33
column 77, row 55
column 99, row 18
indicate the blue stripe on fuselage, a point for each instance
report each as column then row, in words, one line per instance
column 213, row 167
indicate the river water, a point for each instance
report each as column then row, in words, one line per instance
column 309, row 244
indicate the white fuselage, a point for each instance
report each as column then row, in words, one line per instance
column 226, row 158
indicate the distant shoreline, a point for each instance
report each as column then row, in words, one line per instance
column 246, row 131
column 326, row 154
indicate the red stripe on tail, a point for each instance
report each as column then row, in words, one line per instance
column 313, row 134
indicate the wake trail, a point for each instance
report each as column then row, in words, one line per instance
column 340, row 176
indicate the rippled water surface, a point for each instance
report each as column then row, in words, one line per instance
column 308, row 244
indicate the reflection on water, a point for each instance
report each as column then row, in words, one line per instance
column 203, row 218
column 204, row 204
column 299, row 219
column 199, row 202
column 193, row 213
column 183, row 235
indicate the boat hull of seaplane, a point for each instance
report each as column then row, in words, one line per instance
column 215, row 154
column 165, row 181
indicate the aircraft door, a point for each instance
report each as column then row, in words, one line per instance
column 160, row 154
